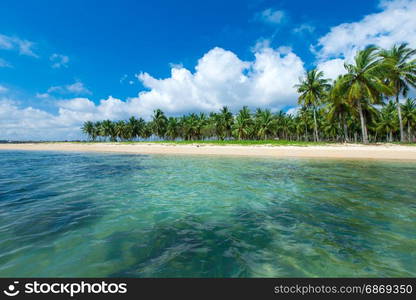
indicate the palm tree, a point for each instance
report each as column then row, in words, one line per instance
column 242, row 125
column 88, row 129
column 306, row 120
column 172, row 128
column 121, row 130
column 401, row 73
column 409, row 116
column 147, row 130
column 312, row 90
column 226, row 120
column 97, row 128
column 190, row 125
column 330, row 113
column 159, row 121
column 265, row 123
column 387, row 121
column 108, row 129
column 364, row 83
column 338, row 109
column 135, row 127
column 222, row 123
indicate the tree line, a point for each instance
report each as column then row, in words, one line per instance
column 361, row 105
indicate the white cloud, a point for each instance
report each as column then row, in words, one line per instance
column 270, row 16
column 395, row 23
column 76, row 88
column 332, row 68
column 59, row 60
column 293, row 111
column 3, row 89
column 24, row 47
column 220, row 78
column 304, row 28
column 28, row 123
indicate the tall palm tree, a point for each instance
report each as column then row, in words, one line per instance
column 338, row 109
column 242, row 124
column 88, row 129
column 190, row 126
column 265, row 124
column 312, row 90
column 387, row 121
column 108, row 130
column 364, row 83
column 409, row 116
column 121, row 130
column 97, row 128
column 172, row 128
column 306, row 120
column 227, row 120
column 159, row 121
column 222, row 123
column 401, row 73
column 135, row 127
column 147, row 130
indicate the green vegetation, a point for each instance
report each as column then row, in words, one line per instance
column 233, row 142
column 359, row 106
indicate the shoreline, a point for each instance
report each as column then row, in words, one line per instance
column 340, row 151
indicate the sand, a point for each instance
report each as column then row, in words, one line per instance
column 340, row 151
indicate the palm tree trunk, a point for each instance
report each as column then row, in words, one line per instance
column 316, row 137
column 399, row 110
column 345, row 129
column 363, row 125
column 306, row 133
column 409, row 136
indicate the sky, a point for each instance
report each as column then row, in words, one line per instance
column 65, row 62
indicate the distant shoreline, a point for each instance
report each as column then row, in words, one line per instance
column 339, row 151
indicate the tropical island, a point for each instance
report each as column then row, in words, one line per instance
column 342, row 111
column 360, row 107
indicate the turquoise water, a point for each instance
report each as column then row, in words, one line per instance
column 93, row 215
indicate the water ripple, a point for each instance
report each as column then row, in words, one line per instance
column 91, row 215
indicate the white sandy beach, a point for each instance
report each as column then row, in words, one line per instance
column 395, row 152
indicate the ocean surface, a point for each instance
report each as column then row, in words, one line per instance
column 111, row 215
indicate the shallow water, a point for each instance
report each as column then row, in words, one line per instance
column 99, row 215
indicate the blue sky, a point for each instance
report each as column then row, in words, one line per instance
column 62, row 60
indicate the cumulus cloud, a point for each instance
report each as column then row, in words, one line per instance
column 24, row 47
column 395, row 23
column 220, row 78
column 59, row 61
column 332, row 68
column 270, row 16
column 28, row 123
column 77, row 88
